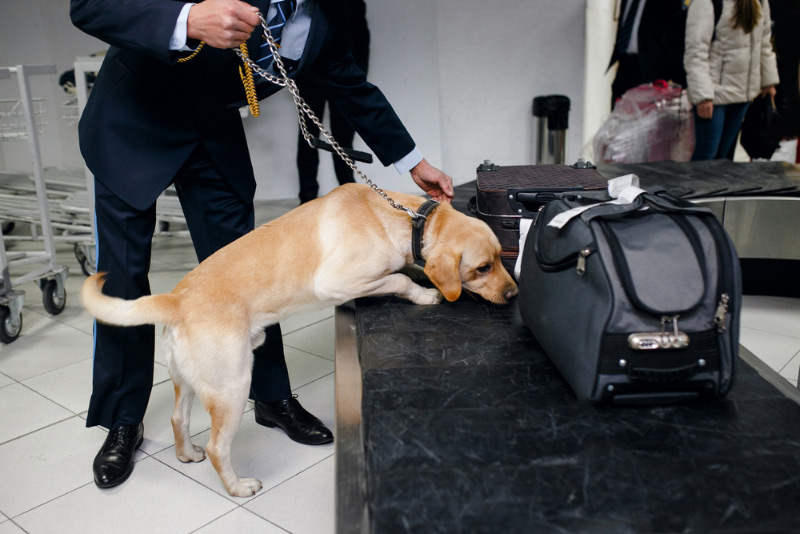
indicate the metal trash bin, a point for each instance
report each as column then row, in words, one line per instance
column 552, row 121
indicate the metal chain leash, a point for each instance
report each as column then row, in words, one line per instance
column 303, row 110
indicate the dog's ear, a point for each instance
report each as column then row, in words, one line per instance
column 442, row 270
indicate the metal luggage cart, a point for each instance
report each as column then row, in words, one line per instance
column 69, row 220
column 18, row 123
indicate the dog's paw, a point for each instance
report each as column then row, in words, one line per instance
column 197, row 454
column 245, row 487
column 428, row 297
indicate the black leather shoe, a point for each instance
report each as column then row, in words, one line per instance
column 293, row 419
column 114, row 462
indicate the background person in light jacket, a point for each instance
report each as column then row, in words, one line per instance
column 727, row 66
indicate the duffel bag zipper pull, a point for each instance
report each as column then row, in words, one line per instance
column 582, row 255
column 538, row 212
column 720, row 317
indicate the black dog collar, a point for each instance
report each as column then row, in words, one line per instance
column 418, row 227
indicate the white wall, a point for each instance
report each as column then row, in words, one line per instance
column 37, row 32
column 461, row 74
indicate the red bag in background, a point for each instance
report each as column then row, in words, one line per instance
column 651, row 122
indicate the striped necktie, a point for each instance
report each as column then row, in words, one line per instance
column 284, row 9
column 626, row 30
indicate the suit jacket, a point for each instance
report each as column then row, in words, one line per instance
column 146, row 113
column 660, row 39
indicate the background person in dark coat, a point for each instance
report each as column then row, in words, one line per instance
column 786, row 40
column 649, row 44
column 312, row 91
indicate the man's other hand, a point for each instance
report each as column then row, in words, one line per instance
column 434, row 182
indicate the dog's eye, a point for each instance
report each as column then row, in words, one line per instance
column 483, row 269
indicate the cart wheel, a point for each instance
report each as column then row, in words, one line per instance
column 9, row 331
column 53, row 303
column 87, row 265
column 163, row 226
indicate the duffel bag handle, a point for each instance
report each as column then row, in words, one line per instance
column 672, row 374
column 666, row 203
column 627, row 197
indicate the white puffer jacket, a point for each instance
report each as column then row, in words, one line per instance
column 735, row 66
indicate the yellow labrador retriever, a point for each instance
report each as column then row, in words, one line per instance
column 350, row 243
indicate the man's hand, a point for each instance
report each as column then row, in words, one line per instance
column 434, row 182
column 705, row 109
column 222, row 23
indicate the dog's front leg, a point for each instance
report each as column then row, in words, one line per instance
column 402, row 286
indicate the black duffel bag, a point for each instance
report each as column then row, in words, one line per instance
column 634, row 301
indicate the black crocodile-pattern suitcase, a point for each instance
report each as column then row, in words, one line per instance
column 506, row 194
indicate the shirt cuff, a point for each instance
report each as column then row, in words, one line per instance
column 408, row 162
column 178, row 40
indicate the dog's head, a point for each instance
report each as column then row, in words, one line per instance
column 462, row 252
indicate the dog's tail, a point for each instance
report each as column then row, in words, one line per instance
column 150, row 309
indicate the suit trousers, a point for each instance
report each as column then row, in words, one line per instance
column 123, row 356
column 307, row 157
column 629, row 75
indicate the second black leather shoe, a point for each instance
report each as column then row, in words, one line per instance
column 293, row 419
column 114, row 462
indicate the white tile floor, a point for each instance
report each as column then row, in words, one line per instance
column 46, row 451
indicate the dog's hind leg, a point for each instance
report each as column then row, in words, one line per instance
column 184, row 395
column 226, row 409
column 185, row 450
column 224, row 387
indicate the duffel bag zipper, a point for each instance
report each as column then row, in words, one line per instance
column 578, row 258
column 582, row 255
column 721, row 315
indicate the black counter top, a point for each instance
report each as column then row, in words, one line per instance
column 469, row 428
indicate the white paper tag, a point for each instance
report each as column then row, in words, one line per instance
column 524, row 227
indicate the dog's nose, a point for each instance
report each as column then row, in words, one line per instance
column 511, row 292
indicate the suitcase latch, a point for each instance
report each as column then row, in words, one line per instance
column 660, row 340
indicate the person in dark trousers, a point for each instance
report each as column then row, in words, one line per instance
column 648, row 44
column 314, row 94
column 165, row 110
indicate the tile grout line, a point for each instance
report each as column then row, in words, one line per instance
column 246, row 510
column 308, row 353
column 796, row 355
column 288, row 332
column 284, row 482
column 48, row 425
column 770, row 332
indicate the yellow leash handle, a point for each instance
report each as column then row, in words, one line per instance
column 249, row 84
column 246, row 75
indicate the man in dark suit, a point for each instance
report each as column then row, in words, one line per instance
column 649, row 44
column 154, row 118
